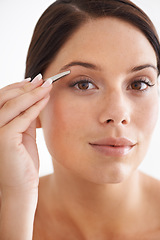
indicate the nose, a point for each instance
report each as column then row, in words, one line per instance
column 115, row 110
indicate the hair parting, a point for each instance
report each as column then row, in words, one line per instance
column 62, row 18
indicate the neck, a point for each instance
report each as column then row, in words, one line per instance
column 94, row 206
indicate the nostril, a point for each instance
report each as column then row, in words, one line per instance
column 109, row 120
column 124, row 122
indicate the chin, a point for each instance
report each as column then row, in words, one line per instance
column 112, row 175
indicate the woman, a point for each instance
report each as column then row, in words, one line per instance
column 97, row 124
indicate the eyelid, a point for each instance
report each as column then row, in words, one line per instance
column 148, row 80
column 144, row 80
column 82, row 79
column 145, row 77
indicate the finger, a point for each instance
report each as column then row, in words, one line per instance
column 28, row 140
column 21, row 123
column 14, row 90
column 15, row 85
column 16, row 106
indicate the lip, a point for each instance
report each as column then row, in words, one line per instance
column 116, row 147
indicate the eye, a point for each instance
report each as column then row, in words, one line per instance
column 83, row 85
column 141, row 85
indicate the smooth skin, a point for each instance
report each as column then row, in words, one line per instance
column 90, row 195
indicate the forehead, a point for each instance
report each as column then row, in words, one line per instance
column 107, row 41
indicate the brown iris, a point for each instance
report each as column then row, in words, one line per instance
column 83, row 85
column 137, row 85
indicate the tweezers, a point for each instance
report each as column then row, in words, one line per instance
column 59, row 76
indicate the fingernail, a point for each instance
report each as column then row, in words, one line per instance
column 26, row 80
column 47, row 83
column 37, row 78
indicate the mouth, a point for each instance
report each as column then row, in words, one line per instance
column 115, row 147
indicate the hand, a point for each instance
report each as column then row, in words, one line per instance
column 20, row 105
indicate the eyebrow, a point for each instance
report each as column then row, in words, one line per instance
column 95, row 67
column 141, row 67
column 82, row 64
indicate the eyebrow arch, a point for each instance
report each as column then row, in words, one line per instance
column 82, row 64
column 141, row 67
column 95, row 67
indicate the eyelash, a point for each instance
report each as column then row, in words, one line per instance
column 141, row 80
column 85, row 80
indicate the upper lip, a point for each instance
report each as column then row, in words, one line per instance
column 119, row 142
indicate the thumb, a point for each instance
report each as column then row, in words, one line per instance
column 29, row 141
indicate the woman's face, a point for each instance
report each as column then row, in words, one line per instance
column 99, row 120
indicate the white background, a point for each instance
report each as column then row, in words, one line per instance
column 17, row 21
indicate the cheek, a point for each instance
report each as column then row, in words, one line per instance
column 146, row 117
column 69, row 116
column 67, row 126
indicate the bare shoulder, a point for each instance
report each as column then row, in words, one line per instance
column 151, row 200
column 152, row 236
column 151, row 191
column 0, row 200
column 43, row 228
column 44, row 191
column 150, row 185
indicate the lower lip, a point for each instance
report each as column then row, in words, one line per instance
column 119, row 151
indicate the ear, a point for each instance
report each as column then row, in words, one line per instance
column 38, row 123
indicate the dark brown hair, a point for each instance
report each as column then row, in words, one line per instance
column 63, row 17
